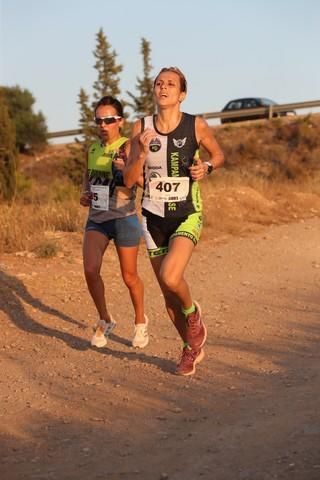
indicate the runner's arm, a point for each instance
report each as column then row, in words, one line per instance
column 128, row 149
column 133, row 169
column 138, row 152
column 207, row 140
column 85, row 197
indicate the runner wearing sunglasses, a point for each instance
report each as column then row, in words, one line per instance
column 108, row 120
column 111, row 216
column 165, row 149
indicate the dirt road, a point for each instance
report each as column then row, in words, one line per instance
column 251, row 412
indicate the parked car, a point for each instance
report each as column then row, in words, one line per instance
column 246, row 103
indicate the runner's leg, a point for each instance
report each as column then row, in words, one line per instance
column 173, row 268
column 128, row 264
column 94, row 246
column 172, row 301
column 172, row 271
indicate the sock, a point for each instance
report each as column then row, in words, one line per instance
column 187, row 311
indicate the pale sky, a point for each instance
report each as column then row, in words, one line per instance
column 226, row 48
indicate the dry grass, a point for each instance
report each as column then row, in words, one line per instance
column 280, row 150
column 236, row 204
column 24, row 227
column 271, row 175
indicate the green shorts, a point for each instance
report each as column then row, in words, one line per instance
column 159, row 231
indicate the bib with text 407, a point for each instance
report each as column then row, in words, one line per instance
column 169, row 189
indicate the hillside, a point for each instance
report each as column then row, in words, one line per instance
column 271, row 176
column 285, row 148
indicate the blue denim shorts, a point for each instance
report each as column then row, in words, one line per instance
column 126, row 231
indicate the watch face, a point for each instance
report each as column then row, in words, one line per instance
column 210, row 168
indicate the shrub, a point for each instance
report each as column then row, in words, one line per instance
column 46, row 249
column 8, row 154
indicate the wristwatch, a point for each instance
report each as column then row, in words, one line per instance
column 210, row 167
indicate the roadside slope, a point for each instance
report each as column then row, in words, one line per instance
column 250, row 412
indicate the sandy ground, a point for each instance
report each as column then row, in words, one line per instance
column 251, row 412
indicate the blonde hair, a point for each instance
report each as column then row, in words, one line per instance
column 182, row 78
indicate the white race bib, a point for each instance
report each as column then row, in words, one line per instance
column 100, row 197
column 169, row 189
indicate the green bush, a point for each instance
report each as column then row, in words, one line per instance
column 46, row 249
column 31, row 129
column 8, row 154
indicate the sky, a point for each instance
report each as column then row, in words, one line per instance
column 226, row 48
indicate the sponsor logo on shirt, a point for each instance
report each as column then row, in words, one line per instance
column 174, row 161
column 179, row 143
column 154, row 145
column 154, row 175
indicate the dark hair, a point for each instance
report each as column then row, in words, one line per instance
column 182, row 78
column 108, row 100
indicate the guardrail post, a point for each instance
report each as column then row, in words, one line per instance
column 270, row 112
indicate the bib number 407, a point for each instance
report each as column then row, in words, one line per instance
column 169, row 189
column 167, row 186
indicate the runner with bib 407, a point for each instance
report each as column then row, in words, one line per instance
column 164, row 148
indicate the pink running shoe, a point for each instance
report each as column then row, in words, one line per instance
column 196, row 329
column 189, row 359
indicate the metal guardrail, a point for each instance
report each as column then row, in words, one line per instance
column 267, row 111
column 248, row 112
column 65, row 133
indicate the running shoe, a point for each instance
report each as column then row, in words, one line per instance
column 102, row 332
column 196, row 329
column 189, row 359
column 141, row 336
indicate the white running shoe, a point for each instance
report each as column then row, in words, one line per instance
column 102, row 332
column 141, row 336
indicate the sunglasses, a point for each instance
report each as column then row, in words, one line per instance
column 107, row 120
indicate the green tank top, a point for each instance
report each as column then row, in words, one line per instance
column 102, row 172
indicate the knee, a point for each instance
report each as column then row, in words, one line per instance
column 130, row 279
column 91, row 272
column 170, row 282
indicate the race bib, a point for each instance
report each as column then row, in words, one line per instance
column 100, row 197
column 169, row 189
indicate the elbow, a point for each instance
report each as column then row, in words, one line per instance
column 219, row 161
column 127, row 181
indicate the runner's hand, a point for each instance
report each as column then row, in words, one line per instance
column 198, row 170
column 145, row 138
column 85, row 199
column 118, row 162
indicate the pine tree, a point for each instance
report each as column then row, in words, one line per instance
column 86, row 119
column 108, row 79
column 143, row 104
column 31, row 128
column 107, row 83
column 75, row 164
column 8, row 153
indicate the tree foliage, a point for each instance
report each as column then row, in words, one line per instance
column 108, row 81
column 8, row 153
column 143, row 103
column 86, row 119
column 31, row 129
column 75, row 165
